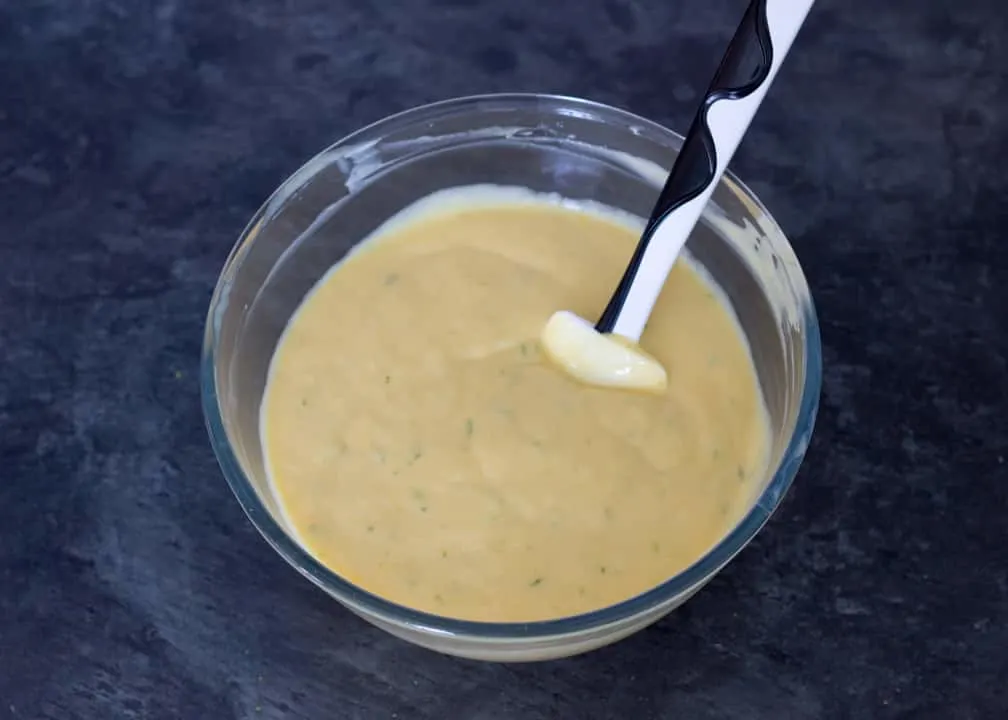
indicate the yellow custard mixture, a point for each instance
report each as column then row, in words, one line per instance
column 423, row 447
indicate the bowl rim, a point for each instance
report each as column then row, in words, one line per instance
column 369, row 604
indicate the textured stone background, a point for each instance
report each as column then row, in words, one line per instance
column 136, row 137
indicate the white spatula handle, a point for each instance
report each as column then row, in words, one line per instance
column 749, row 66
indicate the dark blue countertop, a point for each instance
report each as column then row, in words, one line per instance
column 136, row 138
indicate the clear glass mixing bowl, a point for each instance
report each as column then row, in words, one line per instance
column 580, row 150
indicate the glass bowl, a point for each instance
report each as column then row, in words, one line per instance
column 581, row 150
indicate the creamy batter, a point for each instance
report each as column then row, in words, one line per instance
column 423, row 447
column 600, row 359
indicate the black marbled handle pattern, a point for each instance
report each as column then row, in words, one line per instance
column 744, row 67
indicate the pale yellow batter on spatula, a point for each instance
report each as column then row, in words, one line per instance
column 599, row 359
